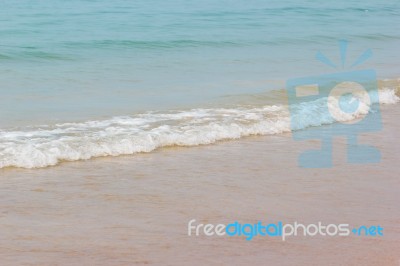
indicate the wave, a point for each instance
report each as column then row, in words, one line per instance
column 30, row 53
column 155, row 44
column 43, row 146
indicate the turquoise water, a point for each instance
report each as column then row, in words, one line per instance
column 79, row 78
column 69, row 60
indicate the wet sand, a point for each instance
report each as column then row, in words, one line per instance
column 135, row 209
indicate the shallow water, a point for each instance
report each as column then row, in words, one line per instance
column 79, row 60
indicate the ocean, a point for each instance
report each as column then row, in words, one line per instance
column 89, row 78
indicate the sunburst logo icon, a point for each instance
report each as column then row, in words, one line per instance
column 344, row 103
column 343, row 44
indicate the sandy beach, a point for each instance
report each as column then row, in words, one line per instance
column 135, row 209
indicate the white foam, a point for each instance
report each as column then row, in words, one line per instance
column 48, row 145
column 388, row 96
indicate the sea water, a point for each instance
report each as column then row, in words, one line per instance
column 87, row 78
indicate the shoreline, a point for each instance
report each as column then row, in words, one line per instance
column 44, row 146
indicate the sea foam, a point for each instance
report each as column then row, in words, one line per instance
column 47, row 145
